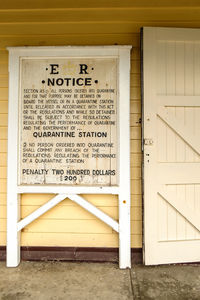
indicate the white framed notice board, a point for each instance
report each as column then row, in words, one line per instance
column 68, row 133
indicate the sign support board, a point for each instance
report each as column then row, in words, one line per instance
column 68, row 133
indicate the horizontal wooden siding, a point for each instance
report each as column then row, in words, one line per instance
column 40, row 23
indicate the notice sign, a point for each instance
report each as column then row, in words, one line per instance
column 68, row 121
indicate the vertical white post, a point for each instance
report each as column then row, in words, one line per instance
column 124, row 231
column 13, row 199
column 124, row 160
column 13, row 237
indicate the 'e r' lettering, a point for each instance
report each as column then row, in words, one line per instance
column 83, row 69
column 54, row 69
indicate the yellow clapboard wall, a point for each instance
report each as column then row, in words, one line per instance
column 105, row 22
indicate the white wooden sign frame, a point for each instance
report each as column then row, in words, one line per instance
column 14, row 222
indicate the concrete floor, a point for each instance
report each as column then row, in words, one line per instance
column 69, row 280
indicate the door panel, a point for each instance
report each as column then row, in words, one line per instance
column 171, row 118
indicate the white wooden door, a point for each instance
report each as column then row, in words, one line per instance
column 171, row 115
